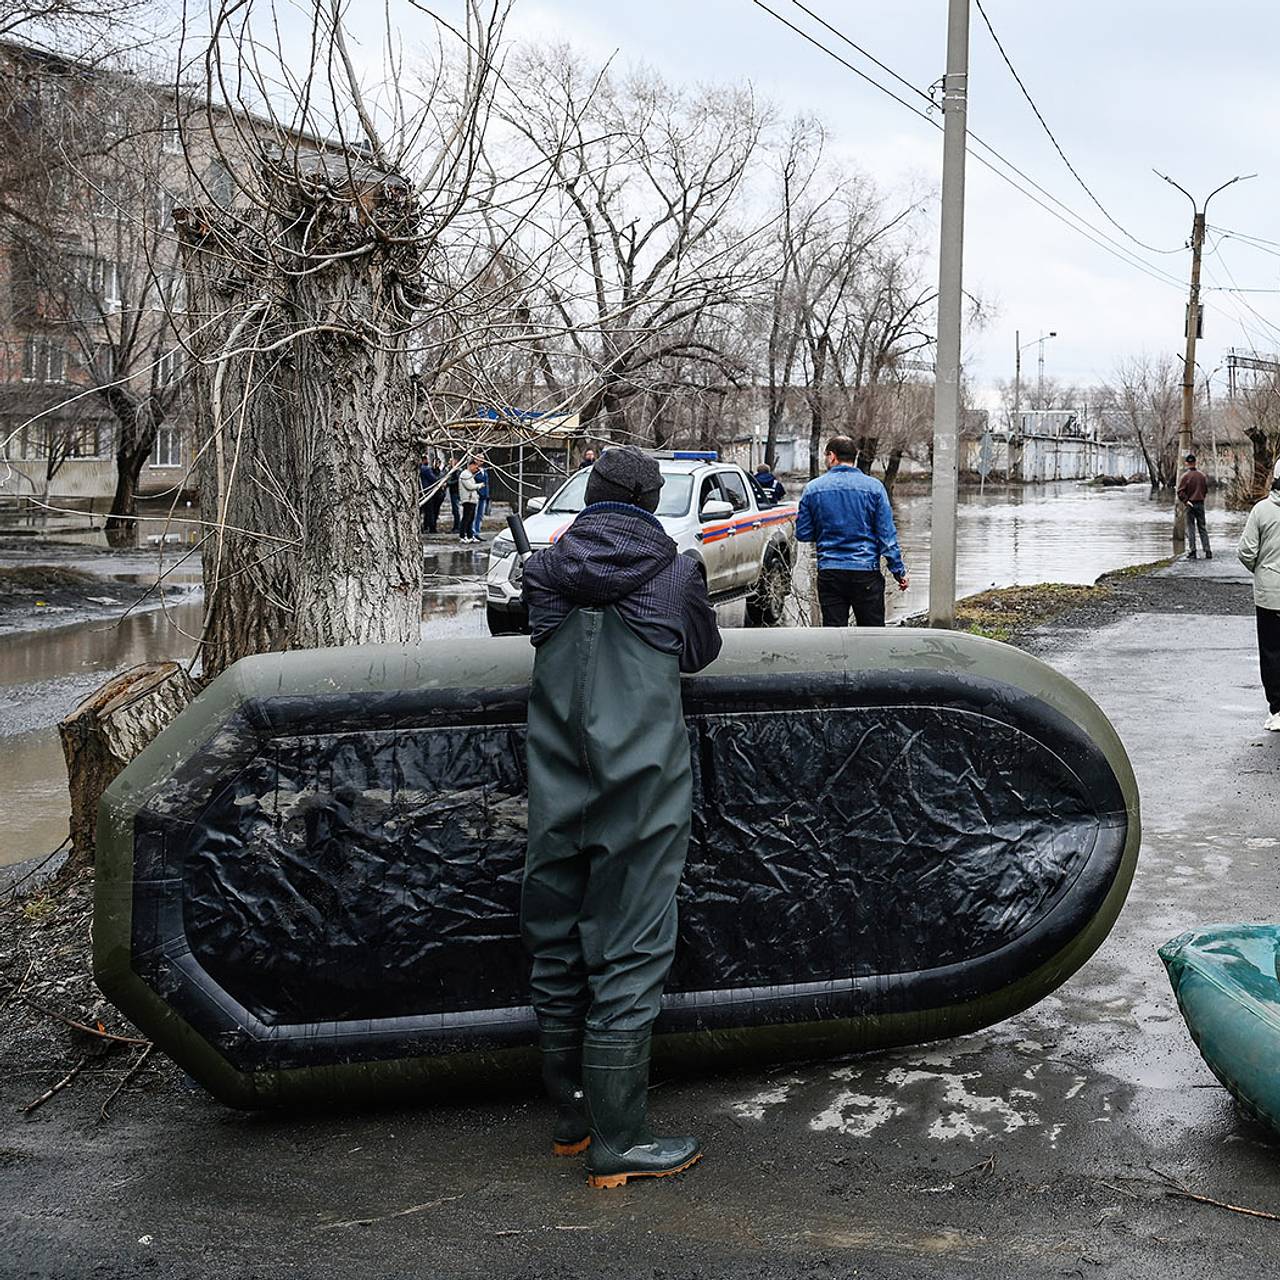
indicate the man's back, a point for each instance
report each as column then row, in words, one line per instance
column 1194, row 485
column 620, row 556
column 846, row 513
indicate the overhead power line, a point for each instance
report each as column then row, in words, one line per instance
column 1253, row 242
column 1057, row 146
column 1093, row 234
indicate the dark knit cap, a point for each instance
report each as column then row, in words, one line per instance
column 625, row 474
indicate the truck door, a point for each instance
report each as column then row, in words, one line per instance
column 718, row 551
column 748, row 535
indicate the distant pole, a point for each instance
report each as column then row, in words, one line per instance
column 1192, row 327
column 946, row 396
column 1015, row 460
column 1040, row 380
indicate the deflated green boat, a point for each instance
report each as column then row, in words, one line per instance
column 1224, row 977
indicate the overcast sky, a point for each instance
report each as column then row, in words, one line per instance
column 1126, row 85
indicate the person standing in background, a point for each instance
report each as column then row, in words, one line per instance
column 469, row 493
column 769, row 484
column 1192, row 489
column 428, row 484
column 1259, row 552
column 452, row 475
column 847, row 514
column 482, row 497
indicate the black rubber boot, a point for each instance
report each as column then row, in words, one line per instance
column 615, row 1077
column 561, row 1045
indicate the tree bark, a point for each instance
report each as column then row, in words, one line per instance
column 359, row 567
column 121, row 522
column 891, row 470
column 247, row 469
column 107, row 730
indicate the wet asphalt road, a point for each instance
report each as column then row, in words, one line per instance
column 1040, row 1147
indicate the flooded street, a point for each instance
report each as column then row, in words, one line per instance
column 1055, row 533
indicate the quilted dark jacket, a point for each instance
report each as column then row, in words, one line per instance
column 616, row 554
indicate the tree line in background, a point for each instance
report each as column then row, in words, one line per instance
column 324, row 268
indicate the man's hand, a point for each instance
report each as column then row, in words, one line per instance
column 904, row 582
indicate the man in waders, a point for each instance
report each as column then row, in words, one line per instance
column 615, row 614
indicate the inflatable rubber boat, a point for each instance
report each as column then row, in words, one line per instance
column 308, row 884
column 1224, row 978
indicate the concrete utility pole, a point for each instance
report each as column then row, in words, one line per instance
column 1192, row 333
column 946, row 394
column 1015, row 454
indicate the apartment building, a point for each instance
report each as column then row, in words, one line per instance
column 92, row 308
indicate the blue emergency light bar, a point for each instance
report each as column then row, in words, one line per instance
column 687, row 455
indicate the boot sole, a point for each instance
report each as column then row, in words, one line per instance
column 611, row 1181
column 570, row 1148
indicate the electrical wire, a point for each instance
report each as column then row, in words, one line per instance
column 1250, row 242
column 1057, row 146
column 1222, row 262
column 1244, row 235
column 1091, row 233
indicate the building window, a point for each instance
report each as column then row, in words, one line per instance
column 166, row 201
column 44, row 359
column 168, row 450
column 169, row 367
column 170, row 135
column 220, row 185
column 99, row 283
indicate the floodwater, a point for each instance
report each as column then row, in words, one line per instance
column 1053, row 533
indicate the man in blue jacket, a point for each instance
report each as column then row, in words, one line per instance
column 846, row 512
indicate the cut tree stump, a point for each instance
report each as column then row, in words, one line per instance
column 107, row 730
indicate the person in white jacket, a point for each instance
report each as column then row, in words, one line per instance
column 469, row 493
column 1259, row 552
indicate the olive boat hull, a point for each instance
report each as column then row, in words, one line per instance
column 308, row 884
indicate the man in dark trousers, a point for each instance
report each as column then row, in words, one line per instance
column 616, row 615
column 1192, row 489
column 432, row 493
column 452, row 474
column 847, row 513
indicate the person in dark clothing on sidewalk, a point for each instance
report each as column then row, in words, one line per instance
column 615, row 616
column 453, row 473
column 432, row 495
column 1259, row 552
column 847, row 513
column 1192, row 489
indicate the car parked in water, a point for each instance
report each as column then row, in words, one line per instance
column 743, row 540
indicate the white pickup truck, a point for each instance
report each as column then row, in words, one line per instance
column 743, row 541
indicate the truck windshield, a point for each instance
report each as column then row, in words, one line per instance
column 674, row 500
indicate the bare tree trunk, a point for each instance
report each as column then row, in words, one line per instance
column 121, row 522
column 137, row 422
column 359, row 571
column 107, row 730
column 891, row 470
column 1265, row 449
column 247, row 470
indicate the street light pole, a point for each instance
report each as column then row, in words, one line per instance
column 1016, row 452
column 946, row 395
column 1192, row 333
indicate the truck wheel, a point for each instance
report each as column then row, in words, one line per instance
column 768, row 599
column 502, row 623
